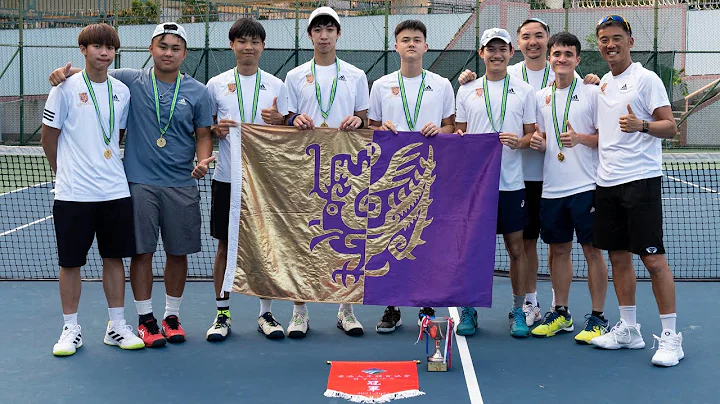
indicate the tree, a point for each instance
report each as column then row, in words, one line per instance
column 140, row 12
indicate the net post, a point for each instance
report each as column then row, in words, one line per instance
column 21, row 23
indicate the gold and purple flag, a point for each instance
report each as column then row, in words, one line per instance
column 363, row 217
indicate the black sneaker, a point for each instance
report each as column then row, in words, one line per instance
column 425, row 311
column 390, row 320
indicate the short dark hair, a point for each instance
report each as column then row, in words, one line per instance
column 414, row 25
column 100, row 34
column 323, row 20
column 537, row 20
column 613, row 21
column 564, row 39
column 246, row 27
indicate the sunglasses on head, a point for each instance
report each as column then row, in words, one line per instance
column 615, row 18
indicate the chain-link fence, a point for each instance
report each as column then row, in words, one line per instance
column 670, row 38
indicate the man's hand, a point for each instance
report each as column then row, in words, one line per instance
column 202, row 168
column 271, row 115
column 510, row 140
column 591, row 79
column 60, row 75
column 429, row 130
column 389, row 125
column 630, row 123
column 350, row 122
column 569, row 138
column 222, row 129
column 303, row 121
column 460, row 132
column 466, row 77
column 537, row 141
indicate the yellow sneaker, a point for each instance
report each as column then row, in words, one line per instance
column 594, row 327
column 552, row 324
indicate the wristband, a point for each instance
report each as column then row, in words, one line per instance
column 362, row 123
column 292, row 120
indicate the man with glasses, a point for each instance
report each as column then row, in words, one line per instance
column 635, row 115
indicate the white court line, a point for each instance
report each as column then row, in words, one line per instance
column 691, row 184
column 22, row 189
column 466, row 360
column 25, row 225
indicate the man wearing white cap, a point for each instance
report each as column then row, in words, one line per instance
column 502, row 104
column 168, row 125
column 326, row 92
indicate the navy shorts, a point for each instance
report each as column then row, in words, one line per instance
column 561, row 216
column 512, row 215
column 533, row 194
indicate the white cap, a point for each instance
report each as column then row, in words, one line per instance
column 323, row 11
column 170, row 28
column 493, row 33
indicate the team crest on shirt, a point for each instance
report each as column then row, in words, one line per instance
column 479, row 92
column 231, row 87
column 309, row 79
column 83, row 98
column 602, row 89
column 547, row 99
column 395, row 91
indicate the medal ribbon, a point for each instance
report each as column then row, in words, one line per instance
column 332, row 90
column 486, row 93
column 111, row 124
column 545, row 76
column 256, row 96
column 567, row 111
column 157, row 101
column 410, row 121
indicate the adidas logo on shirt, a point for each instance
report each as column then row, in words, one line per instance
column 574, row 98
column 49, row 115
column 624, row 87
column 428, row 88
column 342, row 78
column 115, row 98
column 262, row 86
column 182, row 101
column 511, row 91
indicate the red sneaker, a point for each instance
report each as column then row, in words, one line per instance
column 150, row 334
column 172, row 330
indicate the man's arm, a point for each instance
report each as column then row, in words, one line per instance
column 49, row 141
column 447, row 125
column 460, row 128
column 203, row 149
column 663, row 127
column 528, row 130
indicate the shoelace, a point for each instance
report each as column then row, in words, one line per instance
column 67, row 334
column 152, row 326
column 616, row 331
column 591, row 322
column 519, row 317
column 349, row 317
column 550, row 317
column 388, row 315
column 467, row 316
column 270, row 320
column 297, row 318
column 666, row 344
column 221, row 320
column 124, row 330
column 172, row 322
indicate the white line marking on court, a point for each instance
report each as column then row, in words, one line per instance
column 22, row 189
column 25, row 225
column 692, row 185
column 466, row 360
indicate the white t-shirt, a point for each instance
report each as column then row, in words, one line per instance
column 224, row 104
column 520, row 110
column 351, row 95
column 386, row 104
column 578, row 171
column 83, row 173
column 626, row 157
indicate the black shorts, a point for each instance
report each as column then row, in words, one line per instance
column 533, row 194
column 511, row 211
column 220, row 210
column 77, row 224
column 628, row 217
column 559, row 217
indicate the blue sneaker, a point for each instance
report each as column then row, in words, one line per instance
column 468, row 322
column 518, row 327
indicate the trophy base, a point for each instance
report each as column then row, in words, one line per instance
column 437, row 367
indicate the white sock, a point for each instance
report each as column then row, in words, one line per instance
column 300, row 309
column 668, row 321
column 222, row 303
column 532, row 298
column 143, row 306
column 266, row 306
column 628, row 314
column 346, row 307
column 70, row 319
column 172, row 306
column 552, row 306
column 116, row 314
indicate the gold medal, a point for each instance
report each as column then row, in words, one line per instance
column 324, row 125
column 561, row 156
column 161, row 142
column 107, row 154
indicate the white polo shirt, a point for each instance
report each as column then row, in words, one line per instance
column 83, row 173
column 578, row 171
column 225, row 105
column 351, row 95
column 438, row 101
column 520, row 109
column 626, row 157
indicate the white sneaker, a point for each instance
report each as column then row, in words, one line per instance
column 122, row 335
column 347, row 322
column 299, row 325
column 70, row 340
column 532, row 314
column 621, row 335
column 670, row 350
column 220, row 328
column 268, row 326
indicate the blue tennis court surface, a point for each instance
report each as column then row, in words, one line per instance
column 249, row 368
